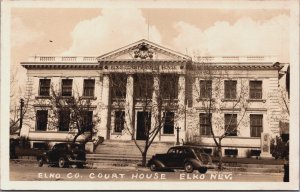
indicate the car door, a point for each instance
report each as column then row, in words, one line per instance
column 180, row 158
column 51, row 154
column 170, row 158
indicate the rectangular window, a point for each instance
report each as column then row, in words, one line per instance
column 205, row 89
column 119, row 121
column 230, row 89
column 44, row 87
column 205, row 124
column 231, row 124
column 64, row 120
column 169, row 86
column 41, row 120
column 169, row 123
column 143, row 87
column 87, row 120
column 66, row 87
column 118, row 85
column 255, row 89
column 256, row 125
column 88, row 87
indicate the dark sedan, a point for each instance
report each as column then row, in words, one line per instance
column 189, row 158
column 63, row 155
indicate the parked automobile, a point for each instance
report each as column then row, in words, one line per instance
column 189, row 158
column 63, row 155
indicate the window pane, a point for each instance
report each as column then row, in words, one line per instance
column 87, row 120
column 67, row 87
column 256, row 125
column 169, row 123
column 118, row 84
column 205, row 124
column 255, row 89
column 231, row 124
column 169, row 86
column 205, row 89
column 89, row 87
column 119, row 121
column 230, row 89
column 41, row 120
column 64, row 120
column 143, row 86
column 44, row 87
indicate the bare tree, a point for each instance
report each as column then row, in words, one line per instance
column 72, row 113
column 18, row 104
column 157, row 98
column 216, row 90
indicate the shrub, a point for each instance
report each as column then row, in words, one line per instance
column 278, row 148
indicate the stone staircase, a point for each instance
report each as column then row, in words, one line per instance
column 123, row 153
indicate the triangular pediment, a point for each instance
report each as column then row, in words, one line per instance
column 143, row 50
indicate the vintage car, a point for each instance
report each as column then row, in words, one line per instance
column 63, row 155
column 189, row 158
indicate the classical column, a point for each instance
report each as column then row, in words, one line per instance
column 181, row 107
column 154, row 109
column 105, row 107
column 129, row 107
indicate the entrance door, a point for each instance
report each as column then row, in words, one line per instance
column 143, row 123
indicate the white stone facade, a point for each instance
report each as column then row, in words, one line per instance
column 157, row 60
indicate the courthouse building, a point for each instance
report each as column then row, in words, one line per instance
column 244, row 92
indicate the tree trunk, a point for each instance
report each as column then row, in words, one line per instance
column 220, row 165
column 75, row 138
column 144, row 159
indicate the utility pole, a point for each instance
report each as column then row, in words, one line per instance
column 21, row 112
column 177, row 140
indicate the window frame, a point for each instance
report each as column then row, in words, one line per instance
column 230, row 89
column 255, row 92
column 230, row 126
column 119, row 121
column 169, row 82
column 38, row 122
column 204, row 124
column 254, row 125
column 43, row 87
column 66, row 119
column 118, row 91
column 89, row 90
column 66, row 90
column 143, row 87
column 87, row 116
column 169, row 127
column 205, row 89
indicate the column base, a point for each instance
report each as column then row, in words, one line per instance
column 266, row 155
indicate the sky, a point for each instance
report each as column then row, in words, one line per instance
column 93, row 32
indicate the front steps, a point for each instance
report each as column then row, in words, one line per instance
column 118, row 152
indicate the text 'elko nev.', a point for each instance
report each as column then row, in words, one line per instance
column 135, row 176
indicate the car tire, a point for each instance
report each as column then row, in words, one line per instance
column 41, row 162
column 62, row 162
column 153, row 167
column 202, row 170
column 80, row 165
column 188, row 167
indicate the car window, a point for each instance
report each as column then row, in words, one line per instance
column 172, row 151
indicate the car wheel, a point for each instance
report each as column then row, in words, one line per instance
column 153, row 167
column 188, row 167
column 80, row 165
column 202, row 170
column 62, row 162
column 40, row 162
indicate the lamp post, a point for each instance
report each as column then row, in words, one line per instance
column 177, row 140
column 21, row 112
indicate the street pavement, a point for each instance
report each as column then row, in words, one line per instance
column 20, row 171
